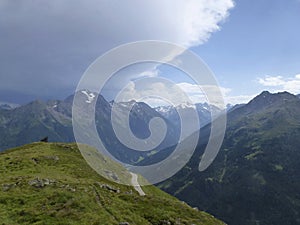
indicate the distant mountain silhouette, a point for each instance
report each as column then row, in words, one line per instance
column 53, row 119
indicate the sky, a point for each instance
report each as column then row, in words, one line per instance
column 249, row 45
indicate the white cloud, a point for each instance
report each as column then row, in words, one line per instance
column 238, row 99
column 149, row 73
column 160, row 93
column 279, row 83
column 197, row 95
column 271, row 81
column 112, row 22
column 199, row 18
column 153, row 93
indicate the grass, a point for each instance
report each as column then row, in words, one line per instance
column 253, row 155
column 51, row 183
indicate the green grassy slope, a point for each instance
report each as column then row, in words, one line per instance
column 44, row 183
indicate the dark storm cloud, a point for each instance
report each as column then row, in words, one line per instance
column 45, row 46
column 44, row 49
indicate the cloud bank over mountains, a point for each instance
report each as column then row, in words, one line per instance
column 279, row 83
column 46, row 46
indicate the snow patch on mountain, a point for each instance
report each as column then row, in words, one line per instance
column 90, row 96
column 8, row 106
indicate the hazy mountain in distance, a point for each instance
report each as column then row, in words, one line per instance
column 5, row 106
column 139, row 119
column 230, row 107
column 203, row 111
column 8, row 106
column 34, row 121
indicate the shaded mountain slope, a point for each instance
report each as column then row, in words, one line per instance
column 38, row 119
column 255, row 178
column 32, row 122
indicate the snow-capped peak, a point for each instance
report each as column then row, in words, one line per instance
column 163, row 109
column 186, row 105
column 90, row 96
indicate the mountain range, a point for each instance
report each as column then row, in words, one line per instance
column 38, row 119
column 203, row 111
column 255, row 178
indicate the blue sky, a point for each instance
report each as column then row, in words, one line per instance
column 250, row 46
column 259, row 39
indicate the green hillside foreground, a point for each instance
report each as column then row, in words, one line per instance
column 51, row 183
